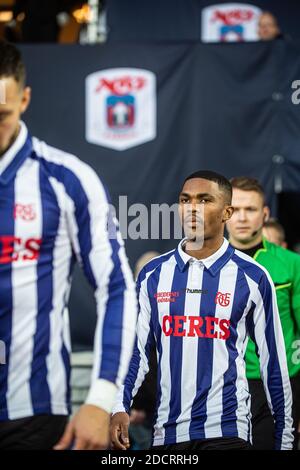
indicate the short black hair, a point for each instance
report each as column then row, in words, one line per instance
column 11, row 63
column 223, row 183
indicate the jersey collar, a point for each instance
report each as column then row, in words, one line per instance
column 13, row 158
column 213, row 263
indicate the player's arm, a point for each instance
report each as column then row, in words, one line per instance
column 138, row 368
column 265, row 329
column 295, row 292
column 99, row 249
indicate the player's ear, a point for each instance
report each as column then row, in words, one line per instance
column 227, row 213
column 266, row 213
column 26, row 97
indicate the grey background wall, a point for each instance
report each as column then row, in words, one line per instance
column 224, row 107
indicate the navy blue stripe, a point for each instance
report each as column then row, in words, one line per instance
column 40, row 392
column 179, row 260
column 205, row 356
column 252, row 270
column 113, row 320
column 248, row 404
column 250, row 324
column 159, row 373
column 135, row 362
column 220, row 262
column 136, row 358
column 67, row 365
column 153, row 264
column 229, row 399
column 134, row 368
column 7, row 200
column 179, row 284
column 275, row 384
column 131, row 377
column 64, row 350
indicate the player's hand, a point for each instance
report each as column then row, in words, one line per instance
column 119, row 431
column 87, row 430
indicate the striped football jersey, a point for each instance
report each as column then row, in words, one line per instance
column 199, row 315
column 54, row 211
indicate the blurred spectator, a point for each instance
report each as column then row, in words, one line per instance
column 268, row 27
column 273, row 231
column 40, row 19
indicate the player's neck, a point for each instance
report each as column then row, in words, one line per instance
column 11, row 142
column 210, row 246
column 247, row 245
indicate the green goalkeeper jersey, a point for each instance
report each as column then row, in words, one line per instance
column 284, row 268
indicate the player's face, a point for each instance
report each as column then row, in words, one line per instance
column 203, row 209
column 245, row 225
column 13, row 103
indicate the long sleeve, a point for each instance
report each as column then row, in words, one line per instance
column 139, row 364
column 99, row 249
column 265, row 329
column 295, row 259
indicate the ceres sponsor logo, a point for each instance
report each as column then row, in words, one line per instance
column 191, row 326
column 17, row 249
column 120, row 107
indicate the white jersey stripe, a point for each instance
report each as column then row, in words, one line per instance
column 24, row 295
column 189, row 350
column 55, row 365
column 164, row 285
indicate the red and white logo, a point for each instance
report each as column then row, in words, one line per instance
column 25, row 212
column 19, row 249
column 222, row 299
column 166, row 296
column 230, row 22
column 121, row 107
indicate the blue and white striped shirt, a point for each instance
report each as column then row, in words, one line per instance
column 199, row 314
column 54, row 210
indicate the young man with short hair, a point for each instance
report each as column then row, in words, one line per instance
column 198, row 305
column 54, row 210
column 245, row 233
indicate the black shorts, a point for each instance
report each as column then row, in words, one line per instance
column 40, row 432
column 218, row 443
column 263, row 428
